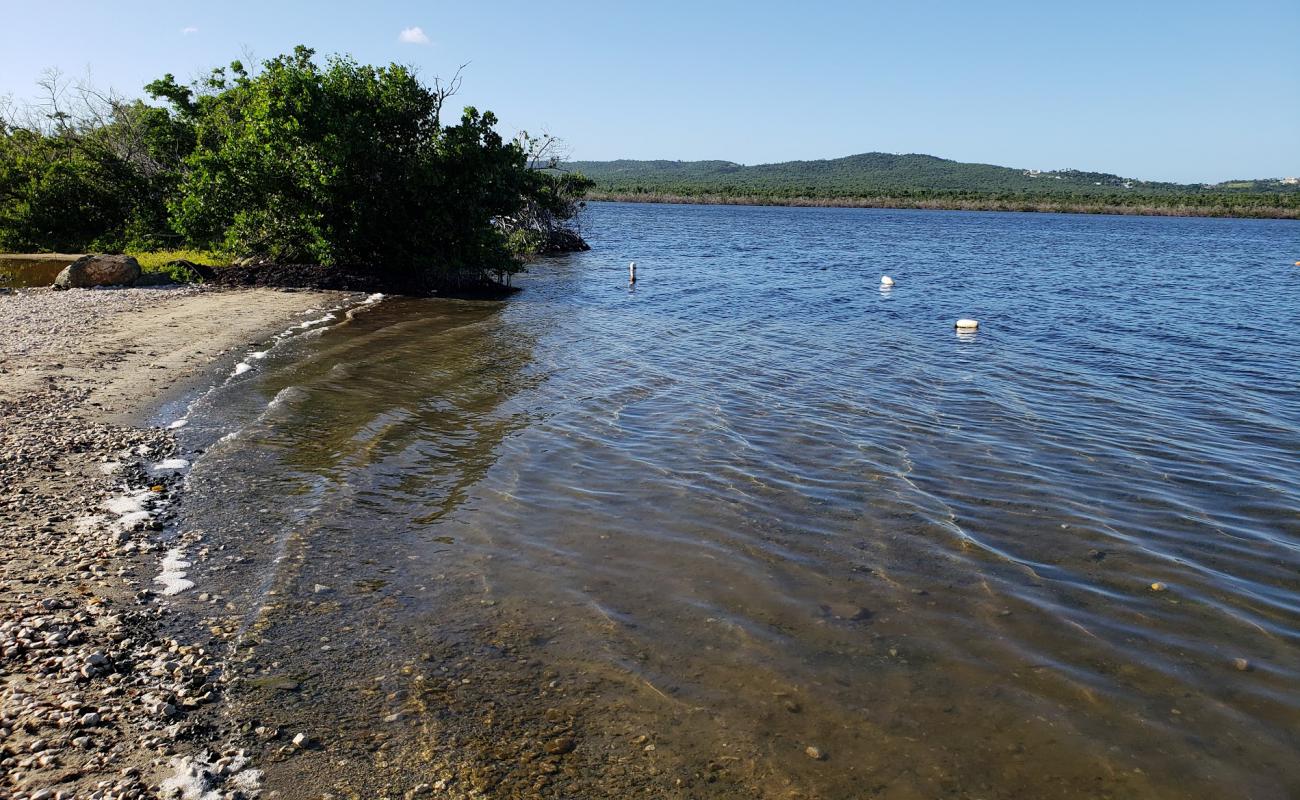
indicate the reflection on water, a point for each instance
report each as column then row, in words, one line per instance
column 761, row 529
column 21, row 273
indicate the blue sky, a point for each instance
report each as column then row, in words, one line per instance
column 1183, row 91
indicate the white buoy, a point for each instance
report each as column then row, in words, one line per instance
column 967, row 324
column 885, row 280
column 631, row 272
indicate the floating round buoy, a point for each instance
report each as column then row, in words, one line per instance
column 885, row 280
column 967, row 324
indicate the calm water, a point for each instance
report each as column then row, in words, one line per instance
column 20, row 273
column 601, row 542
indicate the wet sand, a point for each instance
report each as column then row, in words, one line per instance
column 100, row 696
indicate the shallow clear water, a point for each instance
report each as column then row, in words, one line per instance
column 757, row 505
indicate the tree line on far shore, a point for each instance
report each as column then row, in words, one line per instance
column 922, row 181
column 340, row 164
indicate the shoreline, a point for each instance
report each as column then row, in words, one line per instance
column 888, row 202
column 100, row 689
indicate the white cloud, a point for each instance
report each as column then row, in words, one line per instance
column 188, row 30
column 414, row 35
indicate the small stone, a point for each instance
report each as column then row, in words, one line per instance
column 301, row 740
column 848, row 612
column 561, row 745
column 815, row 753
column 1158, row 587
column 1241, row 664
column 320, row 588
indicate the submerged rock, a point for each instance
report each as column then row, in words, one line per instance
column 99, row 270
column 847, row 612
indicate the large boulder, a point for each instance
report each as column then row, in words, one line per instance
column 98, row 270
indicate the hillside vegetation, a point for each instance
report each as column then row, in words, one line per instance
column 927, row 181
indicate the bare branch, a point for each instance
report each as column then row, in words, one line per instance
column 442, row 91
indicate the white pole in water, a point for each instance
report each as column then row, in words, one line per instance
column 631, row 272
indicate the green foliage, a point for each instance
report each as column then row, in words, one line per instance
column 552, row 198
column 87, row 171
column 346, row 164
column 154, row 260
column 65, row 193
column 340, row 164
column 918, row 179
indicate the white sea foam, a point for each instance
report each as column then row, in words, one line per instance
column 180, row 423
column 375, row 298
column 241, row 368
column 173, row 573
column 199, row 777
column 260, row 354
column 130, row 508
column 128, row 503
column 169, row 465
column 308, row 323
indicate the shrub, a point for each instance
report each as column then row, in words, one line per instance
column 341, row 164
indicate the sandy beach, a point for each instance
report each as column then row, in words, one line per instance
column 99, row 697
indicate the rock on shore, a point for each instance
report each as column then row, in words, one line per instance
column 99, row 270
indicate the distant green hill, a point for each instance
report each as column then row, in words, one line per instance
column 915, row 179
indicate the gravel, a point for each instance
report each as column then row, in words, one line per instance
column 99, row 698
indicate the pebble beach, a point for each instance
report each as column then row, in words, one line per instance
column 101, row 695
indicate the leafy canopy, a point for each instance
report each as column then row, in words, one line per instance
column 336, row 164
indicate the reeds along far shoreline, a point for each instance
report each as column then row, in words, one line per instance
column 957, row 204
